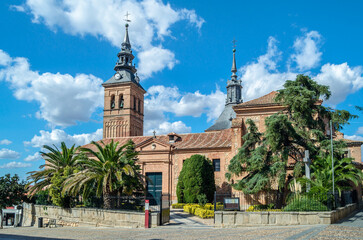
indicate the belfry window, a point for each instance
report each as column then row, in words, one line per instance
column 121, row 102
column 112, row 105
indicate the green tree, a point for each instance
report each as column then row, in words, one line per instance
column 264, row 157
column 59, row 163
column 109, row 170
column 195, row 179
column 12, row 192
column 58, row 197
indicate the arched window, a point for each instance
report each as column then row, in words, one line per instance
column 121, row 101
column 112, row 105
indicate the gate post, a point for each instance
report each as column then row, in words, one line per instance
column 161, row 210
column 215, row 206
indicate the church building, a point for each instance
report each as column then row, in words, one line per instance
column 161, row 156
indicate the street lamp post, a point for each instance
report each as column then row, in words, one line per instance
column 332, row 154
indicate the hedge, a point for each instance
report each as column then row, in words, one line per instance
column 205, row 211
column 178, row 205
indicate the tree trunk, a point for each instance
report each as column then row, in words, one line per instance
column 109, row 199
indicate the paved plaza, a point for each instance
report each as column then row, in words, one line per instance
column 183, row 226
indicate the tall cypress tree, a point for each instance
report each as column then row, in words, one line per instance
column 196, row 178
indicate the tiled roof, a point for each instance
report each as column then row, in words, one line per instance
column 353, row 142
column 218, row 139
column 266, row 99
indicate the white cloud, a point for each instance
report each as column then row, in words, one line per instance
column 8, row 154
column 263, row 76
column 168, row 127
column 35, row 157
column 154, row 60
column 11, row 165
column 307, row 50
column 19, row 8
column 151, row 22
column 354, row 137
column 160, row 100
column 5, row 142
column 56, row 136
column 342, row 80
column 63, row 99
column 169, row 99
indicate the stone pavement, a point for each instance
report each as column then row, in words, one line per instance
column 182, row 227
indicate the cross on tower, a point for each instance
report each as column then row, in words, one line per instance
column 234, row 43
column 127, row 17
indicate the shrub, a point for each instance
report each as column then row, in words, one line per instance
column 196, row 178
column 305, row 203
column 42, row 198
column 202, row 199
column 178, row 205
column 258, row 208
column 262, row 208
column 204, row 213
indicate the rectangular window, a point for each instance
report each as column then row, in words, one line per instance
column 217, row 165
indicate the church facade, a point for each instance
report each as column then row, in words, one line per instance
column 161, row 157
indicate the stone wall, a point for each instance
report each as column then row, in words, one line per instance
column 235, row 219
column 86, row 216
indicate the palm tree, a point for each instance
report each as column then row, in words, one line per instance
column 345, row 175
column 56, row 161
column 107, row 171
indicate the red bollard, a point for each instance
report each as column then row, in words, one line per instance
column 146, row 213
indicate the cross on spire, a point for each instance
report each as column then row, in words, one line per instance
column 127, row 17
column 234, row 43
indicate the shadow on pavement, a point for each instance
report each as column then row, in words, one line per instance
column 22, row 237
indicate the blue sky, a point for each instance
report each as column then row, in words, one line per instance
column 54, row 55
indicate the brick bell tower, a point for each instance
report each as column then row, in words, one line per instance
column 123, row 113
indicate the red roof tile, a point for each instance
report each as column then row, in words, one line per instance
column 216, row 139
column 266, row 99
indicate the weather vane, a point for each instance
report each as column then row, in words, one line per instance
column 234, row 43
column 127, row 17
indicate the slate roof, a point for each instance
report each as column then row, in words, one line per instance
column 208, row 140
column 224, row 121
column 127, row 76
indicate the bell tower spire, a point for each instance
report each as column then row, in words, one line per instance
column 123, row 113
column 125, row 56
column 234, row 97
column 234, row 87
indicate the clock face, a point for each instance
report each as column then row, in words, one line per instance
column 117, row 76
